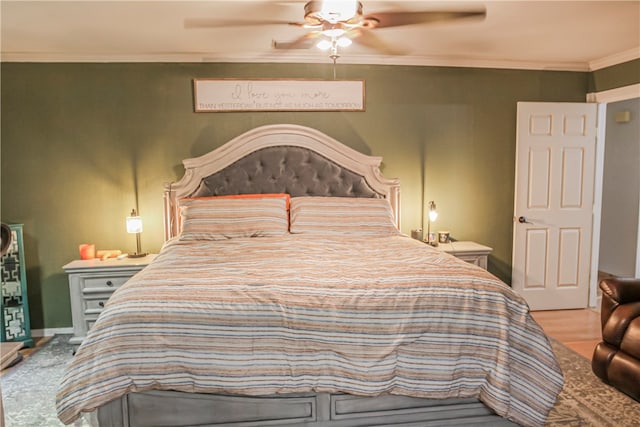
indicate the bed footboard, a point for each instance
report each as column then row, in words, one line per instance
column 162, row 408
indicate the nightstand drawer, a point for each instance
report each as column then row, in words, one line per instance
column 96, row 304
column 109, row 282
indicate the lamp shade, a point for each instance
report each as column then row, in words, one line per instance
column 344, row 41
column 134, row 223
column 324, row 44
column 433, row 214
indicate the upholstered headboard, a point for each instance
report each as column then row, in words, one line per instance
column 280, row 159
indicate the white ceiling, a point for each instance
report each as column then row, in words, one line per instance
column 559, row 35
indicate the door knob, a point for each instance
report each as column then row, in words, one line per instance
column 523, row 220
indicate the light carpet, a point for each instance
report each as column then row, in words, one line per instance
column 29, row 389
column 585, row 400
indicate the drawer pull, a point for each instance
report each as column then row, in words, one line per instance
column 101, row 303
column 109, row 283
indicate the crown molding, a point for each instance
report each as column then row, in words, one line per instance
column 615, row 95
column 294, row 57
column 615, row 59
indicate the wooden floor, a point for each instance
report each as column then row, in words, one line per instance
column 28, row 351
column 577, row 329
column 8, row 353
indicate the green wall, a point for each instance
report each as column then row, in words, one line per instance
column 627, row 73
column 78, row 140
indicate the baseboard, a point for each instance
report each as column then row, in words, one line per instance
column 49, row 332
column 598, row 306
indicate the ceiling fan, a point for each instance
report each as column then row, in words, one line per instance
column 338, row 23
column 335, row 24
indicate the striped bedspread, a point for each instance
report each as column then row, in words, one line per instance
column 300, row 313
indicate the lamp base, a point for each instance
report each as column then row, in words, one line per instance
column 137, row 255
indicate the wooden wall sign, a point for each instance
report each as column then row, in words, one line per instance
column 218, row 95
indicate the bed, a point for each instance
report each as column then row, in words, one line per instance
column 285, row 295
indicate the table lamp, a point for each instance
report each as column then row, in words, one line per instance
column 134, row 225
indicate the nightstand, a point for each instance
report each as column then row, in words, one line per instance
column 91, row 283
column 471, row 252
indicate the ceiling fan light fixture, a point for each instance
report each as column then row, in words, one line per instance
column 338, row 10
column 344, row 41
column 324, row 44
column 334, row 32
column 318, row 12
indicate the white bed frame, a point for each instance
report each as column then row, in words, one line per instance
column 170, row 408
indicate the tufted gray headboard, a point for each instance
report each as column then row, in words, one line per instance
column 297, row 171
column 280, row 159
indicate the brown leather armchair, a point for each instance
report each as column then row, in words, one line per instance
column 616, row 360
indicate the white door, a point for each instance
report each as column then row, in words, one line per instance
column 555, row 170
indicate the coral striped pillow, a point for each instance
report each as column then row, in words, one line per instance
column 341, row 215
column 220, row 218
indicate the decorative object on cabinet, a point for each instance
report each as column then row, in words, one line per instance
column 15, row 305
column 109, row 253
column 134, row 226
column 443, row 237
column 91, row 283
column 471, row 252
column 87, row 250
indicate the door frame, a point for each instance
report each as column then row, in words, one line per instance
column 603, row 98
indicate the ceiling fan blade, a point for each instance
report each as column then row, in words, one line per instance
column 368, row 39
column 303, row 42
column 214, row 23
column 396, row 19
